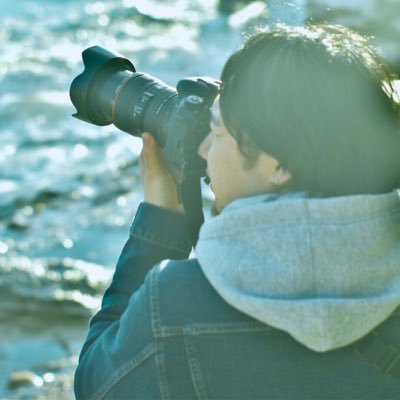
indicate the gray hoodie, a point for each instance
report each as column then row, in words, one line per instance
column 327, row 271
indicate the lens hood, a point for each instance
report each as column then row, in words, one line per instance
column 99, row 63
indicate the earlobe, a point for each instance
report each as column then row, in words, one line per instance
column 280, row 177
column 274, row 175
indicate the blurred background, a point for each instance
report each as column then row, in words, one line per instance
column 68, row 189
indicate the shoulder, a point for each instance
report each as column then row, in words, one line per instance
column 181, row 294
column 179, row 280
column 178, row 273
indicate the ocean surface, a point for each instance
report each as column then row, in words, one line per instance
column 69, row 189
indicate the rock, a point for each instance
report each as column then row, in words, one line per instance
column 23, row 378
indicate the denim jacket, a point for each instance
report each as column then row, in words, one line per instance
column 163, row 332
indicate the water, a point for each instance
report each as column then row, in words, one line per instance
column 68, row 190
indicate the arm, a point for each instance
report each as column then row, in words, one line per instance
column 151, row 238
column 119, row 331
column 156, row 234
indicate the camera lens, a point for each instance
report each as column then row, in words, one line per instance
column 144, row 103
column 111, row 91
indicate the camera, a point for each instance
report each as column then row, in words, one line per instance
column 109, row 90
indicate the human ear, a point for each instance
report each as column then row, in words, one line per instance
column 280, row 177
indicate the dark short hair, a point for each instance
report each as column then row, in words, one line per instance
column 320, row 100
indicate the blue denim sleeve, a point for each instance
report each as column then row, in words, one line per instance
column 156, row 234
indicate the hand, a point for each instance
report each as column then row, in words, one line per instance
column 160, row 187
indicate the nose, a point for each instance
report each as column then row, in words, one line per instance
column 204, row 146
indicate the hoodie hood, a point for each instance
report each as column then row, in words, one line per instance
column 327, row 271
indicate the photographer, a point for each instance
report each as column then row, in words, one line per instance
column 295, row 285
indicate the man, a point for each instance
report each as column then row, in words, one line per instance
column 301, row 264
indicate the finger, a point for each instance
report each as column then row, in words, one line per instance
column 148, row 144
column 147, row 138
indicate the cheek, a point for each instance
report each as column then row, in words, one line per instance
column 218, row 163
column 223, row 170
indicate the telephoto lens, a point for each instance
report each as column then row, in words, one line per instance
column 109, row 90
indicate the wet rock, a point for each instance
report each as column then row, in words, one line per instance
column 19, row 224
column 23, row 378
column 46, row 306
column 70, row 288
column 29, row 385
column 40, row 366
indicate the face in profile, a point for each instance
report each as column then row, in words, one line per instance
column 227, row 169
